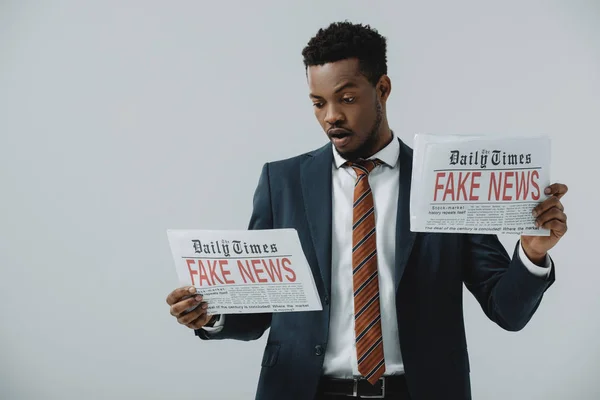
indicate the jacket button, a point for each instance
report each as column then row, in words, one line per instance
column 318, row 350
column 326, row 300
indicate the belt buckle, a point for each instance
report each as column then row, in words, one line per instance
column 377, row 396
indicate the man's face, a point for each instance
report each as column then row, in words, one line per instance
column 346, row 106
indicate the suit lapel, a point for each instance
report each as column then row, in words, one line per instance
column 316, row 191
column 404, row 237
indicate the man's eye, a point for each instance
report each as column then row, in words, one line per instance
column 349, row 100
column 318, row 105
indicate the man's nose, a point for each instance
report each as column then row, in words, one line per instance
column 334, row 115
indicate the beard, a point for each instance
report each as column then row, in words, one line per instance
column 366, row 148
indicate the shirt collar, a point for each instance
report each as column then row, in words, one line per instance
column 389, row 154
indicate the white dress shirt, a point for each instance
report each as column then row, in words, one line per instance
column 340, row 356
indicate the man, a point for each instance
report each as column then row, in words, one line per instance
column 392, row 320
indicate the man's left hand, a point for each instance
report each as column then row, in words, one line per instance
column 550, row 214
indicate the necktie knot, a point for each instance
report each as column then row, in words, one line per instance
column 364, row 167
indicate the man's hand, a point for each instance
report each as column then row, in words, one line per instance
column 188, row 307
column 550, row 214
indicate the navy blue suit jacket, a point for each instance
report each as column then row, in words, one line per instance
column 429, row 273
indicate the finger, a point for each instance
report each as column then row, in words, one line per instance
column 178, row 294
column 180, row 308
column 199, row 322
column 546, row 205
column 559, row 228
column 553, row 213
column 556, row 189
column 193, row 315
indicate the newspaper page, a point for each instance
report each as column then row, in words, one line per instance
column 243, row 272
column 478, row 184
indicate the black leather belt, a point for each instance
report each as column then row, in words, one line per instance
column 394, row 385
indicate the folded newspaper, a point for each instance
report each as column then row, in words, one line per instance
column 243, row 272
column 478, row 184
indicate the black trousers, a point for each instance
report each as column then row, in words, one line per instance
column 342, row 397
column 395, row 389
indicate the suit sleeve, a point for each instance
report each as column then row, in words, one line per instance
column 507, row 291
column 249, row 326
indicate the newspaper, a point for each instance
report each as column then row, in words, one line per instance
column 478, row 184
column 243, row 272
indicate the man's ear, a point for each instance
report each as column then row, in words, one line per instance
column 384, row 87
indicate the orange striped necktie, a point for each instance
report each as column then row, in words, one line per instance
column 367, row 317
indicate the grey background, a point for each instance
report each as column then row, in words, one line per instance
column 119, row 120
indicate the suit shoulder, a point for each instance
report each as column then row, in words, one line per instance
column 286, row 164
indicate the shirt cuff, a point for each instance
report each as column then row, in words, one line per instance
column 217, row 326
column 542, row 272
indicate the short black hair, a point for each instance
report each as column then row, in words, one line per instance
column 342, row 40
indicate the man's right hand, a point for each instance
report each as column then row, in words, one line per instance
column 188, row 307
